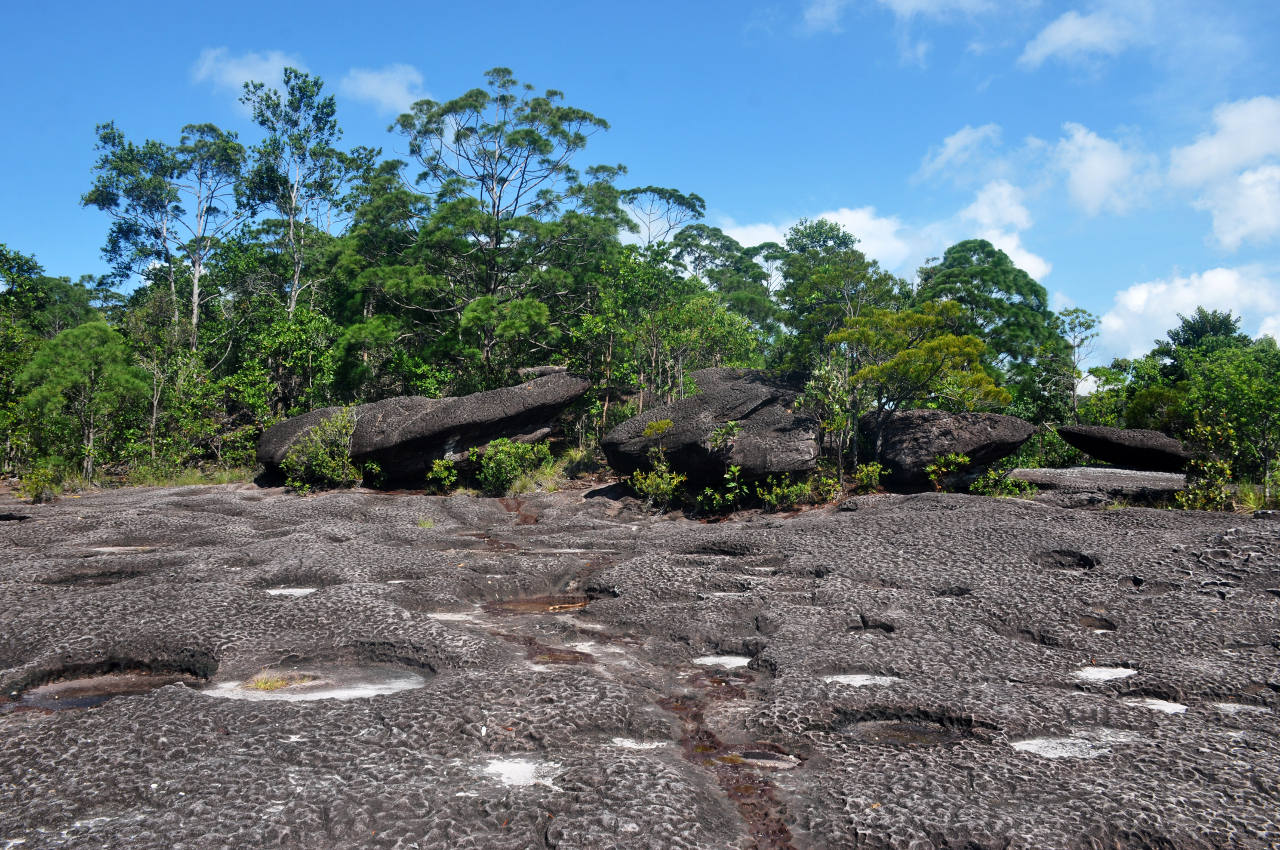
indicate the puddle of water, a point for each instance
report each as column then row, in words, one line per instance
column 1088, row 744
column 1241, row 708
column 729, row 661
column 538, row 605
column 631, row 744
column 1103, row 674
column 93, row 691
column 768, row 761
column 860, row 680
column 523, row 772
column 291, row 591
column 341, row 683
column 1158, row 705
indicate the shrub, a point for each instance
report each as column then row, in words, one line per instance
column 505, row 460
column 321, row 458
column 659, row 487
column 722, row 437
column 42, row 482
column 729, row 497
column 945, row 466
column 866, row 477
column 782, row 492
column 1208, row 475
column 442, row 476
column 996, row 482
column 657, row 428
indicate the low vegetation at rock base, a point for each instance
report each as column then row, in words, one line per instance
column 321, row 459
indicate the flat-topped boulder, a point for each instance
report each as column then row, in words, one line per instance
column 404, row 434
column 1080, row 486
column 911, row 440
column 1128, row 448
column 769, row 438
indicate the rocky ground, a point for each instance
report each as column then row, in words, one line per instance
column 565, row 670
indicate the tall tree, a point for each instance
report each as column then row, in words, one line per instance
column 298, row 172
column 170, row 202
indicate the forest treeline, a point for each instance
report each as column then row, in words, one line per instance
column 254, row 281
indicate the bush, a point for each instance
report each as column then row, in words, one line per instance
column 42, row 482
column 782, row 492
column 730, row 496
column 505, row 461
column 996, row 482
column 945, row 466
column 321, row 458
column 1208, row 475
column 659, row 487
column 723, row 436
column 442, row 476
column 866, row 477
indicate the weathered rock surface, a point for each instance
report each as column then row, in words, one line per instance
column 404, row 434
column 929, row 671
column 913, row 439
column 1128, row 448
column 772, row 439
column 1082, row 486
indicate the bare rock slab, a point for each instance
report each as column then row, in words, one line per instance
column 1128, row 448
column 913, row 439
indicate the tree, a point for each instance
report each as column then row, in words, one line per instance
column 1201, row 333
column 84, row 375
column 144, row 189
column 18, row 342
column 734, row 272
column 298, row 172
column 1079, row 328
column 1002, row 304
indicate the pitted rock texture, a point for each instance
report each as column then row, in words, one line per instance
column 1082, row 486
column 911, row 440
column 771, row 438
column 928, row 671
column 1128, row 448
column 404, row 434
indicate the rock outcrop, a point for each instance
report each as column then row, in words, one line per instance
column 913, row 439
column 1128, row 448
column 770, row 438
column 1082, row 486
column 404, row 434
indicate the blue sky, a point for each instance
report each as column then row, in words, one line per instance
column 1125, row 152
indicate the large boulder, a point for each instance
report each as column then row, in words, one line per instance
column 770, row 438
column 403, row 435
column 912, row 439
column 1083, row 486
column 1128, row 448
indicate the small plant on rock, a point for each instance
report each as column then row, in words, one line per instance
column 442, row 476
column 729, row 497
column 723, row 436
column 659, row 486
column 866, row 477
column 945, row 466
column 1208, row 475
column 782, row 492
column 996, row 482
column 321, row 458
column 505, row 461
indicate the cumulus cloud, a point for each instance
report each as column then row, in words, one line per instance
column 1073, row 37
column 1011, row 243
column 1144, row 312
column 998, row 205
column 960, row 148
column 1245, row 208
column 227, row 71
column 1245, row 133
column 393, row 88
column 1101, row 174
column 881, row 238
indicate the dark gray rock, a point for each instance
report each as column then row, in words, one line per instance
column 913, row 439
column 1128, row 448
column 772, row 438
column 404, row 434
column 1082, row 486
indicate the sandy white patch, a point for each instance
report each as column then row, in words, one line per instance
column 1103, row 674
column 723, row 660
column 291, row 591
column 452, row 616
column 122, row 550
column 631, row 744
column 860, row 680
column 1087, row 744
column 344, row 687
column 523, row 772
column 1239, row 708
column 1158, row 705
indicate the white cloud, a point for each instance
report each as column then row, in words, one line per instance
column 1270, row 327
column 998, row 205
column 1059, row 301
column 393, row 88
column 1245, row 133
column 1101, row 174
column 1144, row 312
column 1245, row 208
column 961, row 147
column 1011, row 243
column 1074, row 37
column 218, row 66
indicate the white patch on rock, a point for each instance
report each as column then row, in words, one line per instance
column 1103, row 674
column 1087, row 744
column 452, row 616
column 1158, row 705
column 730, row 661
column 860, row 680
column 291, row 591
column 346, row 687
column 1239, row 707
column 523, row 772
column 631, row 744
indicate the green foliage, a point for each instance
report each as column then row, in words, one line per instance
column 866, row 477
column 723, row 435
column 1209, row 471
column 783, row 492
column 321, row 458
column 442, row 476
column 504, row 461
column 1047, row 450
column 996, row 482
column 42, row 481
column 726, row 498
column 657, row 428
column 944, row 467
column 658, row 486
